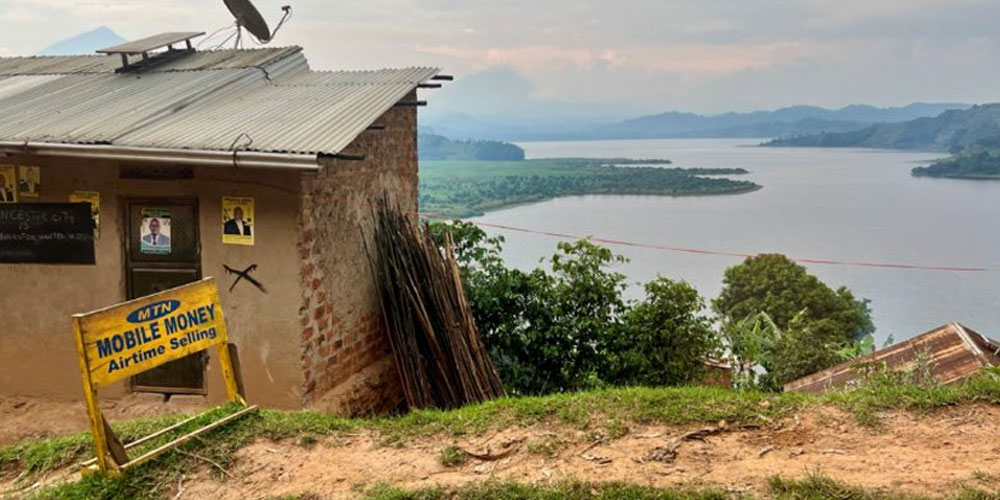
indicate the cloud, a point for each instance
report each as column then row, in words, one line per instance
column 657, row 54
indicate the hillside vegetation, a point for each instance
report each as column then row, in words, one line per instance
column 951, row 131
column 471, row 188
column 437, row 147
column 973, row 163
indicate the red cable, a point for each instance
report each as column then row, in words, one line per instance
column 713, row 252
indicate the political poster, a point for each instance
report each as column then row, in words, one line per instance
column 238, row 221
column 154, row 231
column 29, row 181
column 8, row 184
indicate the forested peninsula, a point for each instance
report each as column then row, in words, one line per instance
column 973, row 163
column 471, row 188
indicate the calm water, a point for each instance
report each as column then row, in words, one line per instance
column 849, row 205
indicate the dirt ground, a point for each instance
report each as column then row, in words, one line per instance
column 24, row 418
column 916, row 454
column 930, row 454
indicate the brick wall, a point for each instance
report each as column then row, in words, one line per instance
column 346, row 358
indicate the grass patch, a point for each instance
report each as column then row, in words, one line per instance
column 819, row 487
column 813, row 487
column 547, row 446
column 560, row 491
column 606, row 413
column 453, row 456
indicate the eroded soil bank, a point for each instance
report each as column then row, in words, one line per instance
column 930, row 454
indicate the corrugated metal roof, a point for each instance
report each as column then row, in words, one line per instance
column 953, row 353
column 304, row 113
column 211, row 59
column 202, row 101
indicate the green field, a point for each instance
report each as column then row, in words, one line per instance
column 471, row 188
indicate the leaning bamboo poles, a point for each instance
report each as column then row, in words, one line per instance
column 439, row 354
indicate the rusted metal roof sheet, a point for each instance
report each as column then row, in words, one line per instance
column 258, row 100
column 952, row 353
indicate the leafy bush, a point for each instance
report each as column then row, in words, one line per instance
column 567, row 327
column 665, row 338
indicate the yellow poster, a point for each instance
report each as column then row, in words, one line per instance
column 8, row 185
column 29, row 181
column 238, row 220
column 140, row 335
column 94, row 198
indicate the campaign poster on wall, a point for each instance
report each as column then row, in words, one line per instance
column 238, row 220
column 8, row 184
column 29, row 181
column 154, row 231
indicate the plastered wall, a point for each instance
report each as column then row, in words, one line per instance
column 37, row 354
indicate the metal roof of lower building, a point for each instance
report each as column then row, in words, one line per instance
column 264, row 100
column 951, row 352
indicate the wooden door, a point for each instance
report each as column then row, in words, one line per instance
column 163, row 251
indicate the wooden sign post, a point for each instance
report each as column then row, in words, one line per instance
column 136, row 336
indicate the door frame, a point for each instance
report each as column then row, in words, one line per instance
column 128, row 203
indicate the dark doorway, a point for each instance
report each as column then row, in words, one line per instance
column 162, row 251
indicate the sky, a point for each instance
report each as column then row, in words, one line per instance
column 605, row 58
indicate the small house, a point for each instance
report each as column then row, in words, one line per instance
column 950, row 354
column 245, row 165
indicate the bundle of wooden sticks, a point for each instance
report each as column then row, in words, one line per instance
column 439, row 353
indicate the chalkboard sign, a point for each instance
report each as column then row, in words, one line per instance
column 46, row 233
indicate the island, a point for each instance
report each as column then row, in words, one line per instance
column 471, row 188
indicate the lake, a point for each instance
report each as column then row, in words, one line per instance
column 833, row 204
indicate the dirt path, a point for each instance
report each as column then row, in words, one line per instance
column 934, row 454
column 29, row 418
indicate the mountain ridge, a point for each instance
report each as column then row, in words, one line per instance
column 84, row 43
column 950, row 131
column 779, row 123
column 792, row 120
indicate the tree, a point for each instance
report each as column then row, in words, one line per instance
column 567, row 327
column 813, row 322
column 557, row 340
column 666, row 337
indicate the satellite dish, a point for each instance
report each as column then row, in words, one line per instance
column 249, row 18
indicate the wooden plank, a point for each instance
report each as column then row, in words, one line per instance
column 234, row 359
column 185, row 438
column 115, row 446
column 154, row 435
column 90, row 395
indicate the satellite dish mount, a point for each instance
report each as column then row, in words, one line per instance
column 249, row 18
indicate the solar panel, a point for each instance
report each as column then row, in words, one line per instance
column 152, row 43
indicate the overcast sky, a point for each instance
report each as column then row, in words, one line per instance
column 654, row 55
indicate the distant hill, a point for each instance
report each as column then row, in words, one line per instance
column 784, row 122
column 950, row 131
column 437, row 147
column 84, row 43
